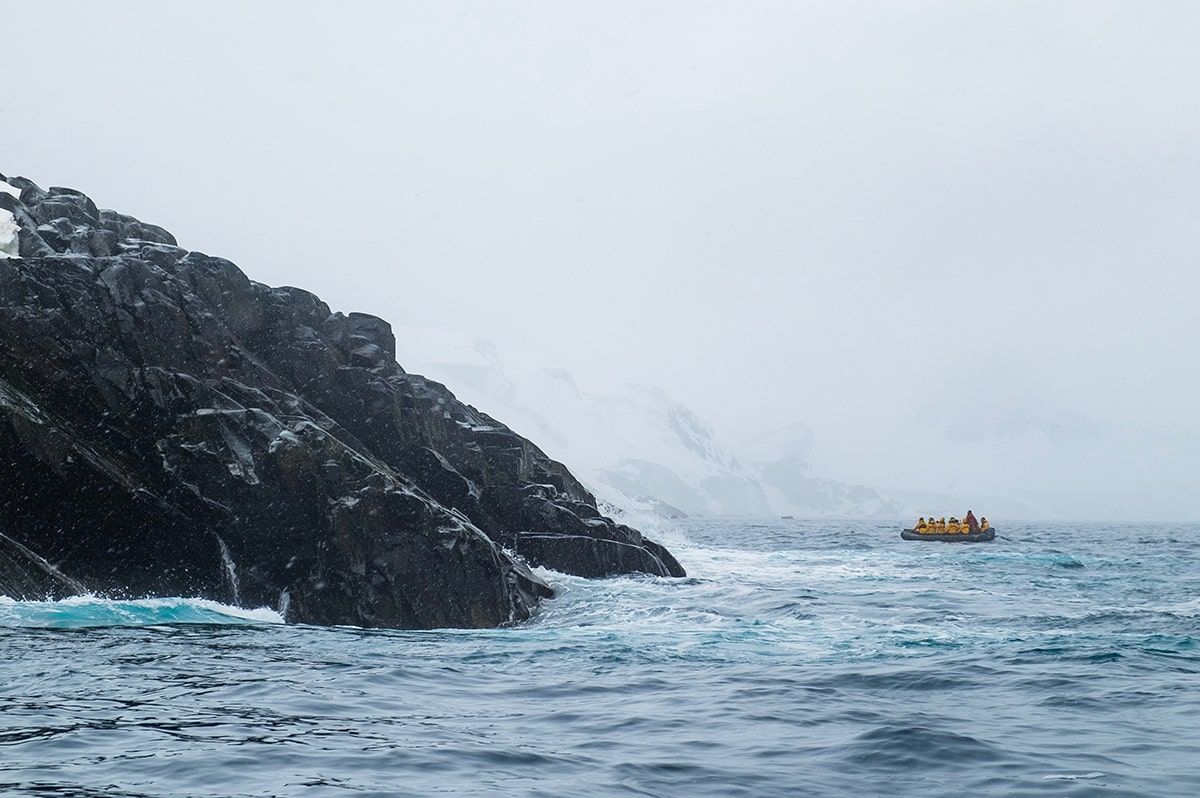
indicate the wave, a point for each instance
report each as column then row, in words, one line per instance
column 79, row 612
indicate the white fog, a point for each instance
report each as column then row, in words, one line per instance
column 958, row 249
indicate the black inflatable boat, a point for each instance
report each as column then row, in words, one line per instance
column 951, row 537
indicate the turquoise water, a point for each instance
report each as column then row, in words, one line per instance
column 799, row 658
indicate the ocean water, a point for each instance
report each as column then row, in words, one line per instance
column 799, row 658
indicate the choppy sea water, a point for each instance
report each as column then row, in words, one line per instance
column 798, row 658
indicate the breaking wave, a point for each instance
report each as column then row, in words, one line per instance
column 91, row 611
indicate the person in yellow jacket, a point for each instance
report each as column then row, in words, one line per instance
column 984, row 526
column 952, row 526
column 941, row 525
column 921, row 525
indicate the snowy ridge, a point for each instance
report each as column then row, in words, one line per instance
column 634, row 446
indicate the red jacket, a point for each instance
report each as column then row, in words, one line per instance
column 972, row 521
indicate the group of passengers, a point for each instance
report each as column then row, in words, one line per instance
column 954, row 526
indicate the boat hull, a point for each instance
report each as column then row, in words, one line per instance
column 947, row 537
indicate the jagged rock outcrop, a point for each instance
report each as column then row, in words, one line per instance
column 170, row 427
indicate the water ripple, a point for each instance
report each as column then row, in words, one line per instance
column 799, row 658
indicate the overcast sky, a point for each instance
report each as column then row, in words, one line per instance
column 958, row 240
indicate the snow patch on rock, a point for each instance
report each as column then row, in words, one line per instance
column 9, row 244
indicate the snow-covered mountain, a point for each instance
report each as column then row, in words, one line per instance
column 781, row 462
column 635, row 446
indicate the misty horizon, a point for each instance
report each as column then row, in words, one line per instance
column 950, row 245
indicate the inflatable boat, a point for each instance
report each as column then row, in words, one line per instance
column 951, row 537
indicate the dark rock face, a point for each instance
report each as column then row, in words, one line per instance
column 169, row 427
column 27, row 577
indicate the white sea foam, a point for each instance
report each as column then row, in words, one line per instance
column 1191, row 608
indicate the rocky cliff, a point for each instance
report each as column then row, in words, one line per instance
column 170, row 427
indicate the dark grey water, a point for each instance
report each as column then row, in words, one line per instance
column 800, row 658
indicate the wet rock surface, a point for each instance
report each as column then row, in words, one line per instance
column 170, row 427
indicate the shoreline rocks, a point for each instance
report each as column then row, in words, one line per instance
column 170, row 427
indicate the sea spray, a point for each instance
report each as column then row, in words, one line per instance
column 285, row 601
column 230, row 571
